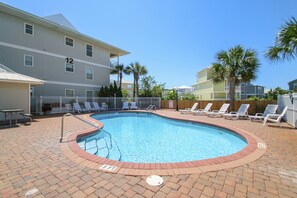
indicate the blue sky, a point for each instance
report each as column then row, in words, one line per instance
column 175, row 39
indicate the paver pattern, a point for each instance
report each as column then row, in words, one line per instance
column 31, row 157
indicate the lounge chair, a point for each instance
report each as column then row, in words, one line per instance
column 203, row 111
column 125, row 106
column 96, row 106
column 104, row 106
column 189, row 110
column 218, row 113
column 134, row 106
column 242, row 112
column 270, row 109
column 276, row 118
column 77, row 108
column 88, row 107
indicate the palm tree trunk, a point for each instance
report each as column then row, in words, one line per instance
column 134, row 84
column 121, row 78
column 137, row 87
column 232, row 93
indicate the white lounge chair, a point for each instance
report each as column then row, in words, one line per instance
column 104, row 106
column 125, row 106
column 96, row 106
column 88, row 107
column 270, row 109
column 242, row 112
column 276, row 118
column 189, row 110
column 133, row 106
column 203, row 111
column 219, row 113
column 77, row 108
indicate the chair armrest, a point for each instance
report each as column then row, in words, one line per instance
column 232, row 112
column 272, row 115
column 259, row 114
column 215, row 111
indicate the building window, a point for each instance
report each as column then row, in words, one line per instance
column 28, row 60
column 295, row 85
column 69, row 41
column 29, row 29
column 89, row 73
column 89, row 93
column 69, row 67
column 89, row 50
column 69, row 93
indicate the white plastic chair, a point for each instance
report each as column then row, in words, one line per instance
column 218, row 113
column 242, row 112
column 270, row 109
column 125, row 106
column 88, row 107
column 133, row 105
column 96, row 106
column 77, row 108
column 189, row 110
column 104, row 106
column 276, row 118
column 203, row 111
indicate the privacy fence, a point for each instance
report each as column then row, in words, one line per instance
column 291, row 102
column 58, row 103
column 255, row 106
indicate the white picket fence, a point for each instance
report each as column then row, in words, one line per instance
column 58, row 102
column 291, row 102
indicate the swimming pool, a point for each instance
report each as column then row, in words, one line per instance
column 149, row 138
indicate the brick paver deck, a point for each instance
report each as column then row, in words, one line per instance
column 31, row 157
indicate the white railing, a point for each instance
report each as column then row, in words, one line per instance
column 59, row 103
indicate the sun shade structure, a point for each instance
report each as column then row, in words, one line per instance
column 8, row 75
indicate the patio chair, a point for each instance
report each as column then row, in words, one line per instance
column 133, row 106
column 26, row 116
column 242, row 112
column 203, row 111
column 218, row 113
column 88, row 107
column 96, row 106
column 276, row 118
column 125, row 106
column 104, row 106
column 270, row 109
column 189, row 110
column 77, row 108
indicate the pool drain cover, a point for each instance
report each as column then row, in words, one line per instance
column 154, row 180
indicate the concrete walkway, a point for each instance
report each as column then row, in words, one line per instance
column 31, row 158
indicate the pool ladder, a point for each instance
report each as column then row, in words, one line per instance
column 151, row 108
column 97, row 139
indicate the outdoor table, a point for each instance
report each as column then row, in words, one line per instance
column 12, row 112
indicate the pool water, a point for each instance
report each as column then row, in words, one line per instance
column 149, row 138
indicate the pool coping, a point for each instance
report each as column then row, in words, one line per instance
column 250, row 153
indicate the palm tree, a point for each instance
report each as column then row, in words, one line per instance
column 137, row 70
column 234, row 66
column 119, row 69
column 286, row 43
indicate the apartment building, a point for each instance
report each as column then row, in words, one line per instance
column 51, row 49
column 206, row 89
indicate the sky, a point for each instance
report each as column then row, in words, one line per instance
column 175, row 39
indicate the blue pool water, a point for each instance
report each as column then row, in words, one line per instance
column 149, row 138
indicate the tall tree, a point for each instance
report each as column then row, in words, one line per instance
column 119, row 69
column 137, row 70
column 234, row 66
column 285, row 47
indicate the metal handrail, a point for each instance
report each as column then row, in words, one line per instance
column 151, row 108
column 110, row 137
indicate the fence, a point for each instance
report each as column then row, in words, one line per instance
column 58, row 102
column 255, row 106
column 291, row 103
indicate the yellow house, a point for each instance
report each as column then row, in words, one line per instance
column 206, row 89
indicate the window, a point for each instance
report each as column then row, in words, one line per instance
column 89, row 73
column 89, row 50
column 69, row 41
column 295, row 85
column 69, row 93
column 29, row 29
column 28, row 60
column 69, row 67
column 89, row 93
